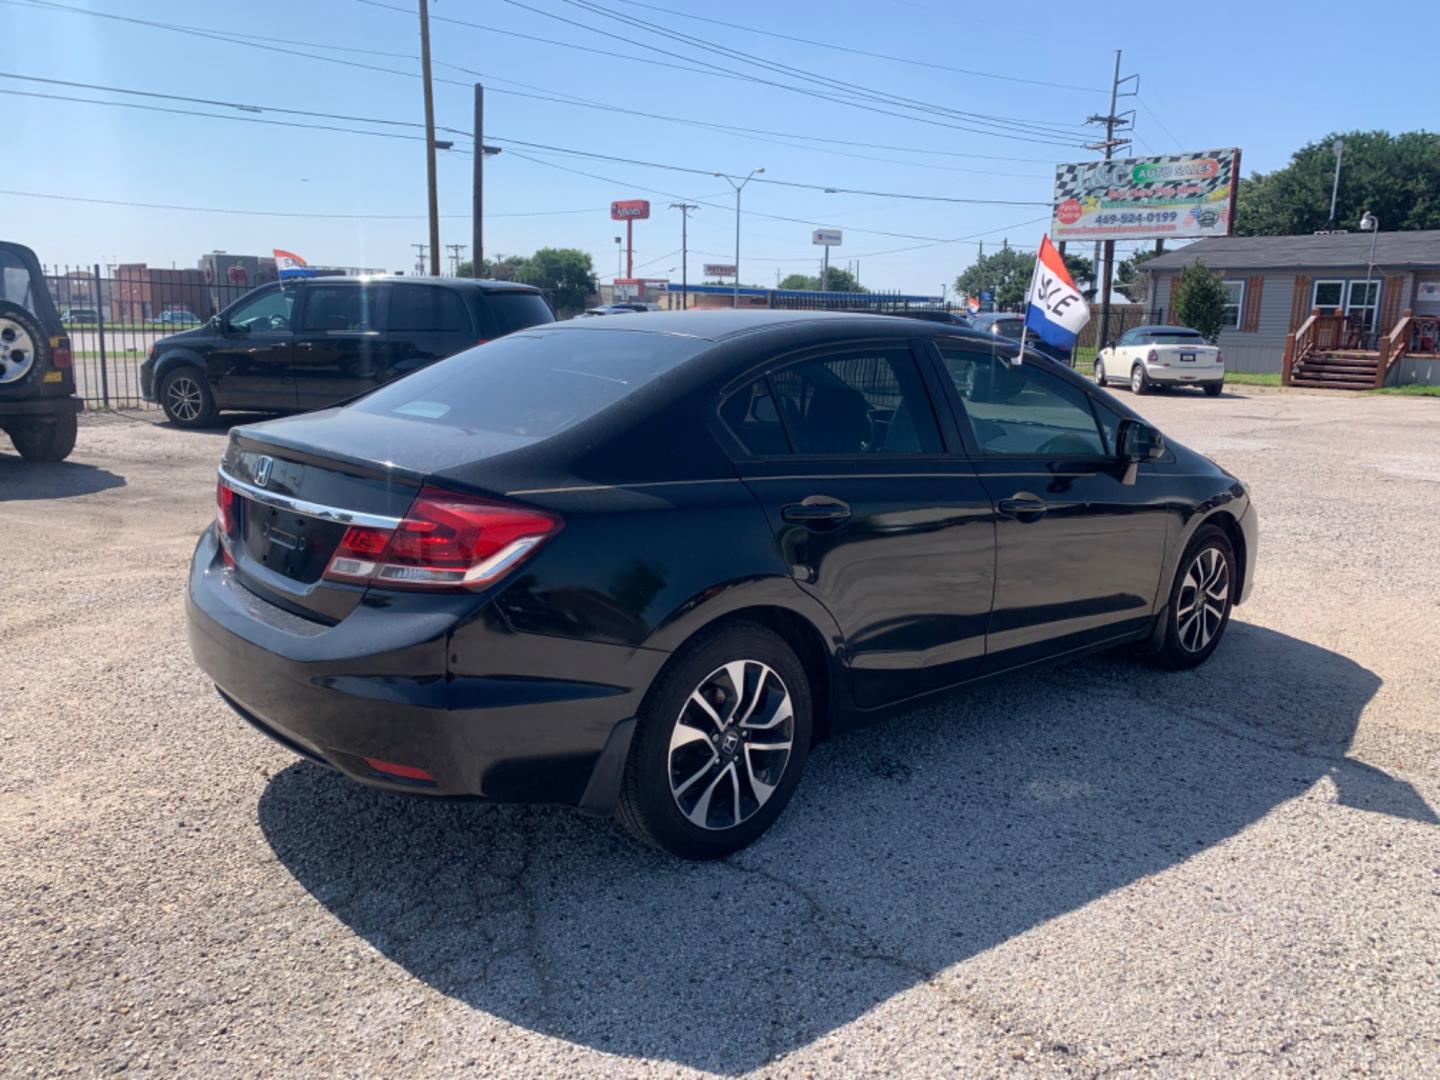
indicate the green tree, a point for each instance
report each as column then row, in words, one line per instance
column 1395, row 177
column 1130, row 281
column 1006, row 273
column 1198, row 299
column 566, row 274
column 841, row 280
column 503, row 268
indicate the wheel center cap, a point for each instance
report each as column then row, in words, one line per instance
column 729, row 741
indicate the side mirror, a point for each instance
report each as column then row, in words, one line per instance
column 1138, row 442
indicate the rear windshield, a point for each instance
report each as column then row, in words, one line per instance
column 533, row 383
column 517, row 310
column 1174, row 337
column 15, row 284
column 1010, row 328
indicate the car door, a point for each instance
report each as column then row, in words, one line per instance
column 1078, row 552
column 426, row 322
column 250, row 359
column 878, row 518
column 337, row 343
column 1113, row 356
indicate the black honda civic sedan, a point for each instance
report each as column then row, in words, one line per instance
column 642, row 564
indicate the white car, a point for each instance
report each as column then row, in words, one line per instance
column 1149, row 356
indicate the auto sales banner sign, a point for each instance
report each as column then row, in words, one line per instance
column 1172, row 195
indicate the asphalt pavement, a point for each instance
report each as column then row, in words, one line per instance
column 1100, row 869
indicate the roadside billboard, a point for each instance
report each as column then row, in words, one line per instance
column 1165, row 196
column 719, row 269
column 629, row 209
column 826, row 237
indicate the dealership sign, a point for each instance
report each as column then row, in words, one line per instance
column 1171, row 195
column 630, row 210
column 826, row 237
column 719, row 269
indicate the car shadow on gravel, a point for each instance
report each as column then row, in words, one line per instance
column 20, row 479
column 910, row 847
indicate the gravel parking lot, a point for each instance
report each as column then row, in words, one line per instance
column 1100, row 869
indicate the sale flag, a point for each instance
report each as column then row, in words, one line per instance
column 1054, row 309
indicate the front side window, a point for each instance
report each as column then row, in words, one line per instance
column 269, row 310
column 1234, row 304
column 428, row 308
column 339, row 309
column 1022, row 410
column 858, row 403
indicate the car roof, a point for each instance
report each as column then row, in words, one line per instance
column 1163, row 330
column 483, row 284
column 720, row 324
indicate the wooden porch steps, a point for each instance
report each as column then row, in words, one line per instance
column 1338, row 369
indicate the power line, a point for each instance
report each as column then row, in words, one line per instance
column 1153, row 116
column 906, row 60
column 619, row 159
column 589, row 29
column 842, row 85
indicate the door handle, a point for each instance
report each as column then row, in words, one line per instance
column 1022, row 507
column 816, row 511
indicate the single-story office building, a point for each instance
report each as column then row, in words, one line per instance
column 1276, row 282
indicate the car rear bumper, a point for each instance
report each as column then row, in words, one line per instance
column 380, row 687
column 42, row 406
column 1172, row 376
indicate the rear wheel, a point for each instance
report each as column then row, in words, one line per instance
column 1139, row 381
column 1213, row 389
column 186, row 398
column 1201, row 600
column 22, row 345
column 722, row 740
column 45, row 440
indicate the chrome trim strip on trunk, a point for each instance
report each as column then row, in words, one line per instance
column 309, row 509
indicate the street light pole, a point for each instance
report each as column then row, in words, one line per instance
column 1338, row 147
column 1372, row 223
column 738, row 188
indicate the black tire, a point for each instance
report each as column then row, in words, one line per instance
column 1185, row 644
column 186, row 398
column 650, row 805
column 45, row 440
column 1139, row 381
column 24, row 348
column 1099, row 372
column 1213, row 389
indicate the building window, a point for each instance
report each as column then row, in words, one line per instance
column 1328, row 295
column 1363, row 301
column 1234, row 304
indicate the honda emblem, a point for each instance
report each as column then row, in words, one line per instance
column 263, row 464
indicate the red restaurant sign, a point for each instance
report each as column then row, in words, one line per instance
column 630, row 210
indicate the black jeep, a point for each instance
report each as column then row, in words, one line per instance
column 38, row 403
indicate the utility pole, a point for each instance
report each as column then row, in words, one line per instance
column 477, row 195
column 420, row 250
column 1111, row 122
column 738, row 188
column 684, row 208
column 1338, row 149
column 430, row 138
column 456, row 250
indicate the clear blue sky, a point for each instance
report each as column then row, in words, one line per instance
column 1266, row 77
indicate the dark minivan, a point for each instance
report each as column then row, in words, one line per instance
column 297, row 345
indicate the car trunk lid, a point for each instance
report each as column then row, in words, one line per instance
column 1187, row 358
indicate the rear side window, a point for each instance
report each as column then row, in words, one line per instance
column 513, row 311
column 534, row 383
column 856, row 403
column 335, row 309
column 754, row 419
column 15, row 284
column 429, row 309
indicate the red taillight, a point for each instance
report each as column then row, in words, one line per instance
column 1219, row 357
column 60, row 357
column 482, row 341
column 446, row 540
column 403, row 772
column 1153, row 358
column 224, row 508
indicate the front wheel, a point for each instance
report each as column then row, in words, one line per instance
column 721, row 742
column 1139, row 381
column 1099, row 372
column 41, row 441
column 1201, row 600
column 186, row 398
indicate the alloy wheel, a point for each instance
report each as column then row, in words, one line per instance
column 17, row 351
column 1099, row 371
column 1137, row 381
column 1204, row 594
column 730, row 744
column 184, row 398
